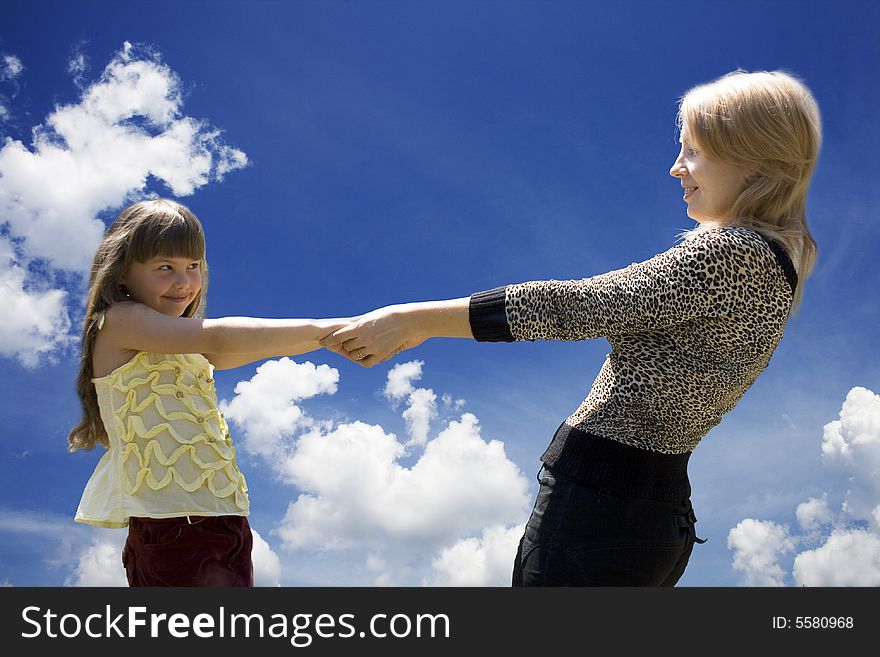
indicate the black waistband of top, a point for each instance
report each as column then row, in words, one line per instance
column 619, row 468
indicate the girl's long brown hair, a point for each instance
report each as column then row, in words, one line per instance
column 141, row 232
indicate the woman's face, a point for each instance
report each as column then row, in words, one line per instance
column 711, row 187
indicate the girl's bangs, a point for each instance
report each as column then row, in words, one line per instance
column 171, row 236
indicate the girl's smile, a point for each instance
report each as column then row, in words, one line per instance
column 167, row 285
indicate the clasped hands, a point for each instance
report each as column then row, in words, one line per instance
column 374, row 337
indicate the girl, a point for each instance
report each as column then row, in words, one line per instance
column 690, row 331
column 147, row 391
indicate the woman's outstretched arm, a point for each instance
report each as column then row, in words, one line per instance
column 703, row 277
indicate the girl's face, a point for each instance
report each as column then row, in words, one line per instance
column 711, row 187
column 165, row 284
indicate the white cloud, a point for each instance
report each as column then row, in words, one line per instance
column 837, row 548
column 265, row 406
column 10, row 68
column 359, row 500
column 852, row 444
column 359, row 494
column 449, row 402
column 77, row 66
column 421, row 402
column 847, row 558
column 814, row 513
column 757, row 546
column 35, row 320
column 100, row 562
column 421, row 410
column 388, row 514
column 89, row 157
column 483, row 561
column 267, row 565
column 400, row 378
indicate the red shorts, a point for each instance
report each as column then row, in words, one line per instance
column 199, row 551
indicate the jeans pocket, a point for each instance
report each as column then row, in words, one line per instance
column 549, row 564
column 160, row 534
column 634, row 566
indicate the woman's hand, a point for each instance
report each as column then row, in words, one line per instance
column 375, row 337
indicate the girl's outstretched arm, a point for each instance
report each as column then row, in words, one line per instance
column 232, row 341
column 231, row 361
column 383, row 333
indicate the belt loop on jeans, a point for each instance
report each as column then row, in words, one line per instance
column 540, row 471
column 688, row 520
column 188, row 520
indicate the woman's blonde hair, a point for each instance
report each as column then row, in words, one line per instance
column 141, row 232
column 766, row 123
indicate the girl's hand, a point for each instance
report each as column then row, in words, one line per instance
column 374, row 337
column 327, row 327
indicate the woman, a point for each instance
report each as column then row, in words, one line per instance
column 690, row 330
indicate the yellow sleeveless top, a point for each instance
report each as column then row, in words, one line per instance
column 170, row 451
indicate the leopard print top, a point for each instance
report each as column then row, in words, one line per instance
column 690, row 331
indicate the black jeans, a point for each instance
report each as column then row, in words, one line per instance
column 579, row 535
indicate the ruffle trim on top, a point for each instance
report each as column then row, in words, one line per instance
column 212, row 428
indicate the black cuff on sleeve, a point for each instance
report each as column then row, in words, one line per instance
column 488, row 316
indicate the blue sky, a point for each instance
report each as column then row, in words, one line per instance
column 403, row 151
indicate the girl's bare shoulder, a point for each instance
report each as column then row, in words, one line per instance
column 107, row 355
